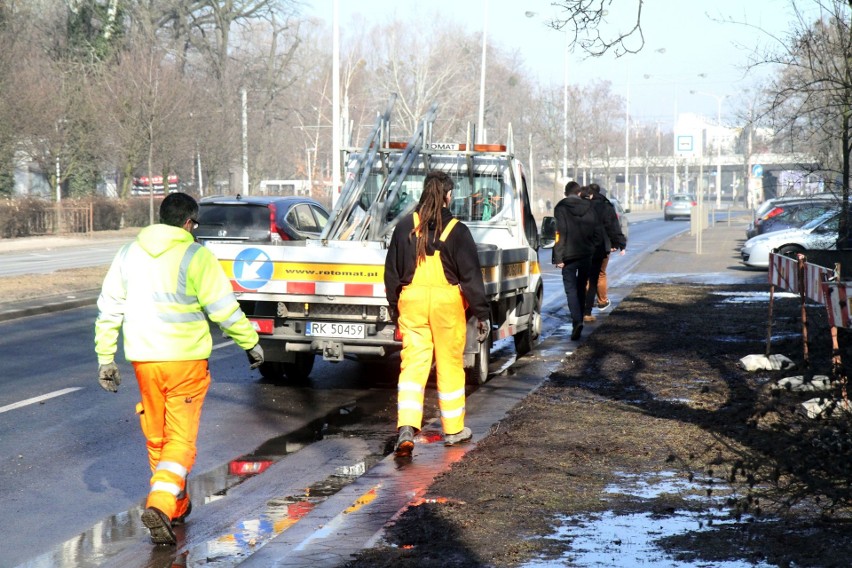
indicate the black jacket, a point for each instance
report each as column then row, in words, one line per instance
column 458, row 256
column 609, row 235
column 576, row 229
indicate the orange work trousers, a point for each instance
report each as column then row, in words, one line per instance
column 172, row 396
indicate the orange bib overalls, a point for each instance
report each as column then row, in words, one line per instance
column 432, row 321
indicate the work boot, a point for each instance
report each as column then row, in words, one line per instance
column 464, row 436
column 604, row 304
column 158, row 523
column 578, row 329
column 589, row 318
column 181, row 519
column 405, row 441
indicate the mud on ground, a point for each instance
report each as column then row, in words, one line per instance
column 656, row 390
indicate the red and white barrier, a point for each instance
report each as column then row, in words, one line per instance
column 784, row 272
column 837, row 303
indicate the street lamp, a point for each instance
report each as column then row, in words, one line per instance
column 480, row 133
column 718, row 140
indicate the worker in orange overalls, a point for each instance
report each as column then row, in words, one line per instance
column 159, row 291
column 432, row 270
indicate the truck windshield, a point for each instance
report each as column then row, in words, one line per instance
column 482, row 195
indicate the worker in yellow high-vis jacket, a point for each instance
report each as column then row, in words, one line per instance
column 432, row 270
column 159, row 291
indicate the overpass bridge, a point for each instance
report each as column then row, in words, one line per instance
column 653, row 178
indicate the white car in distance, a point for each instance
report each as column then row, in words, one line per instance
column 818, row 234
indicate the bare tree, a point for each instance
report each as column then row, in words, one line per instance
column 145, row 100
column 585, row 21
column 810, row 99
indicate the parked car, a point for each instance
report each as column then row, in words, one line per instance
column 679, row 205
column 621, row 213
column 770, row 203
column 259, row 219
column 790, row 215
column 818, row 234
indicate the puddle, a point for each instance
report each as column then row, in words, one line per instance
column 657, row 484
column 281, row 513
column 630, row 540
column 742, row 297
column 109, row 537
column 743, row 339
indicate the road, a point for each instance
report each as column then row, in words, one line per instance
column 60, row 255
column 75, row 469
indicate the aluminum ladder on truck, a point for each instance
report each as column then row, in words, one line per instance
column 358, row 171
column 393, row 183
column 353, row 218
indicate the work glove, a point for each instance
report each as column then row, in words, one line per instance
column 255, row 356
column 109, row 377
column 483, row 328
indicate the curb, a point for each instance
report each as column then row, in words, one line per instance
column 50, row 304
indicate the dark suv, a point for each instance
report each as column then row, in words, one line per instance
column 259, row 219
column 791, row 214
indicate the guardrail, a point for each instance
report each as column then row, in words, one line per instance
column 63, row 220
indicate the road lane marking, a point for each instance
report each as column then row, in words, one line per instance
column 36, row 399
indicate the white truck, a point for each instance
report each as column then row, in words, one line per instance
column 326, row 297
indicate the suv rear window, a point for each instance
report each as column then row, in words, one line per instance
column 227, row 221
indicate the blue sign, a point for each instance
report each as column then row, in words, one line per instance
column 757, row 170
column 252, row 268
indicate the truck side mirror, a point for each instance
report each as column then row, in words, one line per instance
column 548, row 232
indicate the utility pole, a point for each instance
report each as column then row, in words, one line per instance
column 335, row 105
column 244, row 101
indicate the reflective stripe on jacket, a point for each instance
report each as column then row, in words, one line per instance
column 158, row 290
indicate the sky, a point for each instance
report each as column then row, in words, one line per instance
column 689, row 46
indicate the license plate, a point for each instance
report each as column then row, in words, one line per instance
column 328, row 329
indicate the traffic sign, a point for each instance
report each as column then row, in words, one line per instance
column 757, row 170
column 685, row 144
column 252, row 268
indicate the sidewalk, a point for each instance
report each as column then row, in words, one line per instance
column 677, row 260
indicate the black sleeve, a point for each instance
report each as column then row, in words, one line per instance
column 559, row 245
column 394, row 267
column 469, row 271
column 613, row 228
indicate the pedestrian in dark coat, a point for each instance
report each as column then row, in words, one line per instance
column 576, row 227
column 609, row 239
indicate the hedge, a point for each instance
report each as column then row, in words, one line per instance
column 30, row 216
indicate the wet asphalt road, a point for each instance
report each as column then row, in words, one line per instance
column 75, row 472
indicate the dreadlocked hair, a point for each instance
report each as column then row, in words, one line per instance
column 435, row 187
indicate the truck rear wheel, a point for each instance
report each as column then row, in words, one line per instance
column 301, row 368
column 478, row 374
column 297, row 371
column 272, row 371
column 525, row 340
